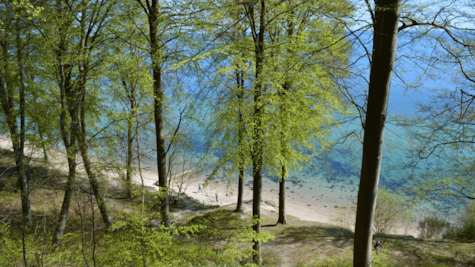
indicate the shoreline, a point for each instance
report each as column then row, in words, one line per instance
column 317, row 201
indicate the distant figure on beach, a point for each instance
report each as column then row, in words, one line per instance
column 216, row 197
column 199, row 188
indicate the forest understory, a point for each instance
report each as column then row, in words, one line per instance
column 202, row 235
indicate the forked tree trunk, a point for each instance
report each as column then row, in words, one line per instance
column 68, row 97
column 82, row 133
column 387, row 14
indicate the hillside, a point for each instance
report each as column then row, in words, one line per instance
column 300, row 243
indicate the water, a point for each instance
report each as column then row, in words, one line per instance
column 335, row 177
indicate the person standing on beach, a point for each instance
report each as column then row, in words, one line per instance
column 217, row 198
column 199, row 188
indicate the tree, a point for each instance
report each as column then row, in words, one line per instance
column 157, row 40
column 13, row 78
column 305, row 94
column 130, row 82
column 258, row 35
column 288, row 88
column 167, row 24
column 73, row 38
column 386, row 19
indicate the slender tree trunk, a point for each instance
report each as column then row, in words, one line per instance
column 257, row 147
column 68, row 194
column 137, row 130
column 68, row 135
column 283, row 110
column 240, row 188
column 130, row 146
column 82, row 133
column 240, row 83
column 18, row 138
column 98, row 193
column 20, row 155
column 158, row 111
column 40, row 131
column 282, row 217
column 387, row 14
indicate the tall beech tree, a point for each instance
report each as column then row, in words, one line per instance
column 300, row 68
column 386, row 19
column 296, row 83
column 13, row 85
column 157, row 18
column 258, row 31
column 75, row 34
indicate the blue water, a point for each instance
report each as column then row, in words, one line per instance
column 412, row 85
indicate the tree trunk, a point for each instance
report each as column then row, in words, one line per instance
column 130, row 147
column 68, row 194
column 387, row 14
column 241, row 188
column 240, row 96
column 82, row 133
column 158, row 111
column 68, row 135
column 18, row 139
column 282, row 216
column 19, row 153
column 283, row 110
column 257, row 147
column 98, row 193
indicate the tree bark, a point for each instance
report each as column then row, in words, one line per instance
column 158, row 111
column 286, row 87
column 257, row 146
column 68, row 194
column 387, row 14
column 282, row 217
column 20, row 153
column 98, row 193
column 18, row 138
column 240, row 96
column 130, row 143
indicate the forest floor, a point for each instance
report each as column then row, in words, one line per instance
column 306, row 243
column 298, row 243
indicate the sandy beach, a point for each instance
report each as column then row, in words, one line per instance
column 319, row 200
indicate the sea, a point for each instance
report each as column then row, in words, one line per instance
column 419, row 77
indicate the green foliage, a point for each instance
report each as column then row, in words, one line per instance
column 300, row 96
column 382, row 258
column 466, row 220
column 233, row 235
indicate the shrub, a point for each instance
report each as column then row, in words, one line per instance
column 433, row 227
column 466, row 230
column 391, row 209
